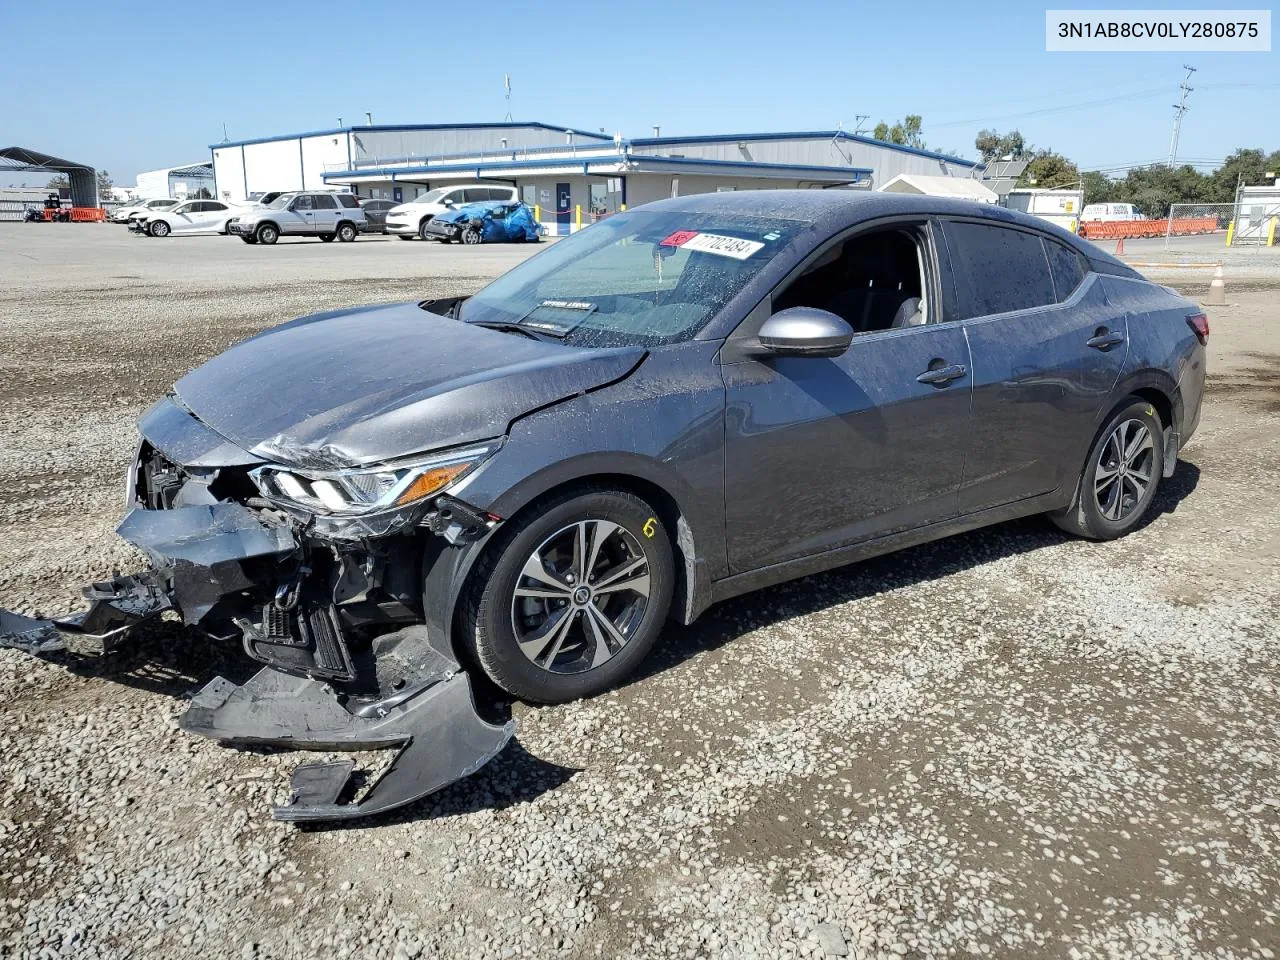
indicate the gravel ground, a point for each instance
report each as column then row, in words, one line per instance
column 1006, row 744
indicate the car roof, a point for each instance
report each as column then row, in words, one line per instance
column 834, row 209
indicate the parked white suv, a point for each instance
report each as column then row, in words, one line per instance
column 307, row 213
column 410, row 219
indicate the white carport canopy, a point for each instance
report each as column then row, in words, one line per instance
column 960, row 188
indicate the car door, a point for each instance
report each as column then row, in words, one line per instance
column 823, row 453
column 214, row 216
column 325, row 213
column 183, row 218
column 1047, row 350
column 302, row 219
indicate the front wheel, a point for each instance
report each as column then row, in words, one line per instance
column 422, row 229
column 346, row 233
column 1120, row 477
column 472, row 235
column 572, row 597
column 159, row 229
column 268, row 234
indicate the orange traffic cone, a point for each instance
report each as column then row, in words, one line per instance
column 1120, row 247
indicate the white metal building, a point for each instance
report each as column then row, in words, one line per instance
column 1257, row 209
column 571, row 176
column 180, row 182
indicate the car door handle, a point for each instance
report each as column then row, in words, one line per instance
column 1103, row 341
column 942, row 375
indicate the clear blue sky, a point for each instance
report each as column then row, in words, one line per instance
column 154, row 87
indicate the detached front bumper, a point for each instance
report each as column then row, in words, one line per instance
column 338, row 624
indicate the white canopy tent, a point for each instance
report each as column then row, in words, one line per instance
column 960, row 188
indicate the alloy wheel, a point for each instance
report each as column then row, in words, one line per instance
column 1124, row 473
column 580, row 596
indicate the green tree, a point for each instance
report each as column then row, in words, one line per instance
column 1247, row 167
column 1098, row 187
column 104, row 185
column 996, row 146
column 58, row 181
column 1049, row 170
column 906, row 132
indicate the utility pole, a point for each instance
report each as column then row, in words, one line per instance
column 858, row 120
column 506, row 82
column 1179, row 109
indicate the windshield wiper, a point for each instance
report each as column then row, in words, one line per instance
column 510, row 326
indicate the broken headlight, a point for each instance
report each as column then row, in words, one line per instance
column 392, row 486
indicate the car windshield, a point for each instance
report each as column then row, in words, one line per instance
column 635, row 279
column 280, row 202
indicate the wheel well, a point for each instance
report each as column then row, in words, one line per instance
column 1163, row 405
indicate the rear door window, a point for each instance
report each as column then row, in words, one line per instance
column 996, row 269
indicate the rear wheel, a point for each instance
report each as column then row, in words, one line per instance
column 1120, row 477
column 158, row 229
column 346, row 232
column 572, row 597
column 268, row 233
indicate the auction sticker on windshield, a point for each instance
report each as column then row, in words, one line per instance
column 716, row 243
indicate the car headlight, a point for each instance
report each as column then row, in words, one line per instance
column 393, row 486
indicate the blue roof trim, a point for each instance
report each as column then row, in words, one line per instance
column 393, row 127
column 802, row 135
column 848, row 173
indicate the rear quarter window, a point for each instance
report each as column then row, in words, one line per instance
column 996, row 270
column 347, row 200
column 1068, row 268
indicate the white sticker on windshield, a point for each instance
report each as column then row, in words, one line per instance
column 722, row 246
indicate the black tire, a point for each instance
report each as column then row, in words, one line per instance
column 347, row 232
column 327, row 237
column 158, row 229
column 268, row 233
column 1107, row 504
column 472, row 235
column 226, row 229
column 422, row 229
column 490, row 609
column 403, row 237
column 249, row 239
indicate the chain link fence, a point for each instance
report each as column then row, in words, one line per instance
column 1257, row 221
column 1190, row 219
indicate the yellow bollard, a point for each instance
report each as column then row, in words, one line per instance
column 537, row 212
column 1231, row 231
column 577, row 217
column 1271, row 234
column 623, row 208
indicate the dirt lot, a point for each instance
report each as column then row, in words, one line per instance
column 1007, row 744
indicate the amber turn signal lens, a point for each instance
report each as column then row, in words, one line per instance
column 430, row 481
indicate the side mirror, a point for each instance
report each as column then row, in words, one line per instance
column 805, row 332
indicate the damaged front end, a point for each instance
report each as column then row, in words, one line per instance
column 318, row 568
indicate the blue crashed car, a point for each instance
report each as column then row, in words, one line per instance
column 486, row 222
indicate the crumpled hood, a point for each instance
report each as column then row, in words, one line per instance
column 372, row 384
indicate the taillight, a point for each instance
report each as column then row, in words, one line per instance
column 1199, row 323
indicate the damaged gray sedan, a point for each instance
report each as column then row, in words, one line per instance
column 681, row 404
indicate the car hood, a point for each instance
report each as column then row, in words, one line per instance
column 363, row 386
column 468, row 211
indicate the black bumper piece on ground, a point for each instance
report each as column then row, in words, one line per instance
column 417, row 700
column 431, row 719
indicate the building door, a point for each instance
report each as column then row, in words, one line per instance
column 563, row 198
column 397, row 194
